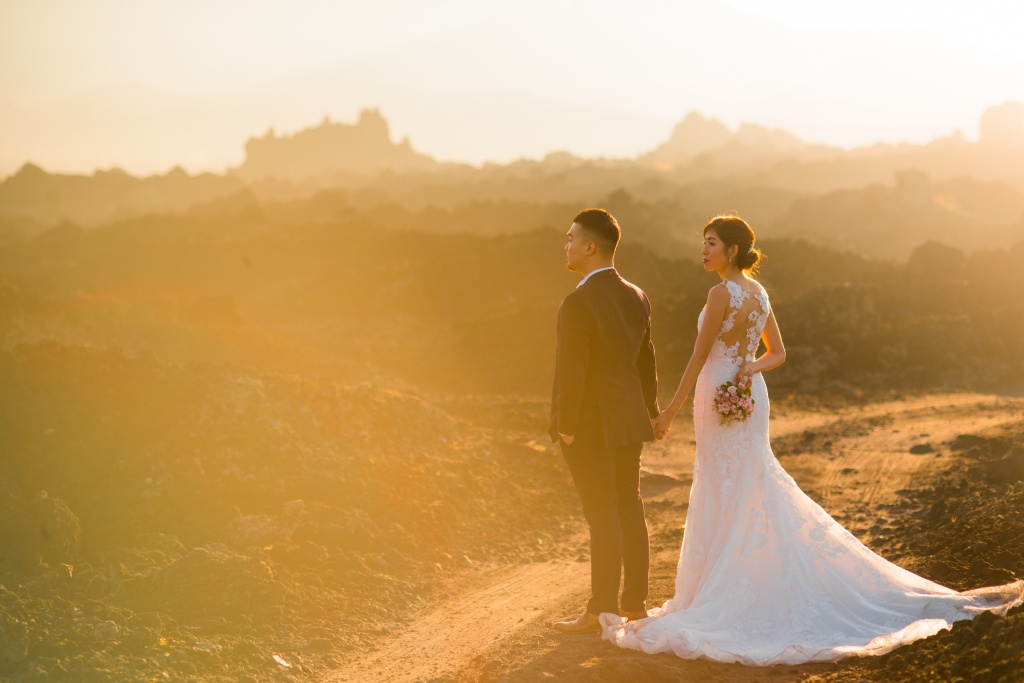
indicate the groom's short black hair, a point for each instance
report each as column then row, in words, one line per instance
column 602, row 226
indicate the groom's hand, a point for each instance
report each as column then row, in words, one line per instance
column 661, row 425
column 567, row 439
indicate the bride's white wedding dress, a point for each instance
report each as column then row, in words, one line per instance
column 765, row 575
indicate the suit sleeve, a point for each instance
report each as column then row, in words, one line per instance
column 575, row 330
column 647, row 367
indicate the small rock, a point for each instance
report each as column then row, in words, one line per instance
column 319, row 645
column 921, row 449
column 308, row 553
column 940, row 570
column 1005, row 559
column 13, row 639
column 105, row 630
column 986, row 446
column 1009, row 468
column 45, row 528
column 965, row 441
column 97, row 586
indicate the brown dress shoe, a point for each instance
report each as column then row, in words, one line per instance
column 634, row 616
column 584, row 623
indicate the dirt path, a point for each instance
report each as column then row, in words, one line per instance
column 451, row 636
column 851, row 461
column 864, row 458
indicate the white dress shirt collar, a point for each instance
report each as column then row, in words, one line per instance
column 591, row 273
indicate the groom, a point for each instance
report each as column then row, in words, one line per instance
column 605, row 396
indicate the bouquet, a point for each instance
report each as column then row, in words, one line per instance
column 733, row 402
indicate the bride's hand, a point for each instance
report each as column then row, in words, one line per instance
column 744, row 375
column 661, row 424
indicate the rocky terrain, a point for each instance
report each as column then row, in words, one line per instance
column 198, row 521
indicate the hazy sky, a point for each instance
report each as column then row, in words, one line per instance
column 147, row 84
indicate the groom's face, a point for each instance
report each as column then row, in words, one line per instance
column 577, row 247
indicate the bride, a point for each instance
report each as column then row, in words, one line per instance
column 765, row 575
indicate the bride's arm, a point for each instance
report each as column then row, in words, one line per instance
column 775, row 352
column 714, row 315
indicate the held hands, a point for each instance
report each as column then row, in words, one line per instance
column 661, row 424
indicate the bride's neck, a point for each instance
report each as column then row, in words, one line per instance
column 735, row 275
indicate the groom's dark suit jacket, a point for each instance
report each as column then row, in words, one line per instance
column 605, row 370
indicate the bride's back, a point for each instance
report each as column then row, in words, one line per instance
column 744, row 322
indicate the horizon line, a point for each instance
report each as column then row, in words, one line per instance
column 225, row 169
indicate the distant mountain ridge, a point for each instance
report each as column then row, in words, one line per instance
column 696, row 136
column 701, row 149
column 701, row 152
column 330, row 148
column 33, row 196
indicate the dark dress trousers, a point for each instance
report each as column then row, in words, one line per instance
column 605, row 395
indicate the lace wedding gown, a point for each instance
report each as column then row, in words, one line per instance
column 765, row 575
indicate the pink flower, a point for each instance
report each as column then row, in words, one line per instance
column 733, row 402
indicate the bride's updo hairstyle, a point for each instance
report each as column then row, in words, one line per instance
column 733, row 230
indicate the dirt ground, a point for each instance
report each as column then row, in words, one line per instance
column 922, row 481
column 191, row 522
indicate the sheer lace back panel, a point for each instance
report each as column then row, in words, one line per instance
column 744, row 322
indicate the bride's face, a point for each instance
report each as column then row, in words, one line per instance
column 713, row 252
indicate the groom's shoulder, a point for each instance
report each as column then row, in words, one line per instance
column 615, row 292
column 575, row 300
column 639, row 292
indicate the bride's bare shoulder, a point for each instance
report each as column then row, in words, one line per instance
column 718, row 295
